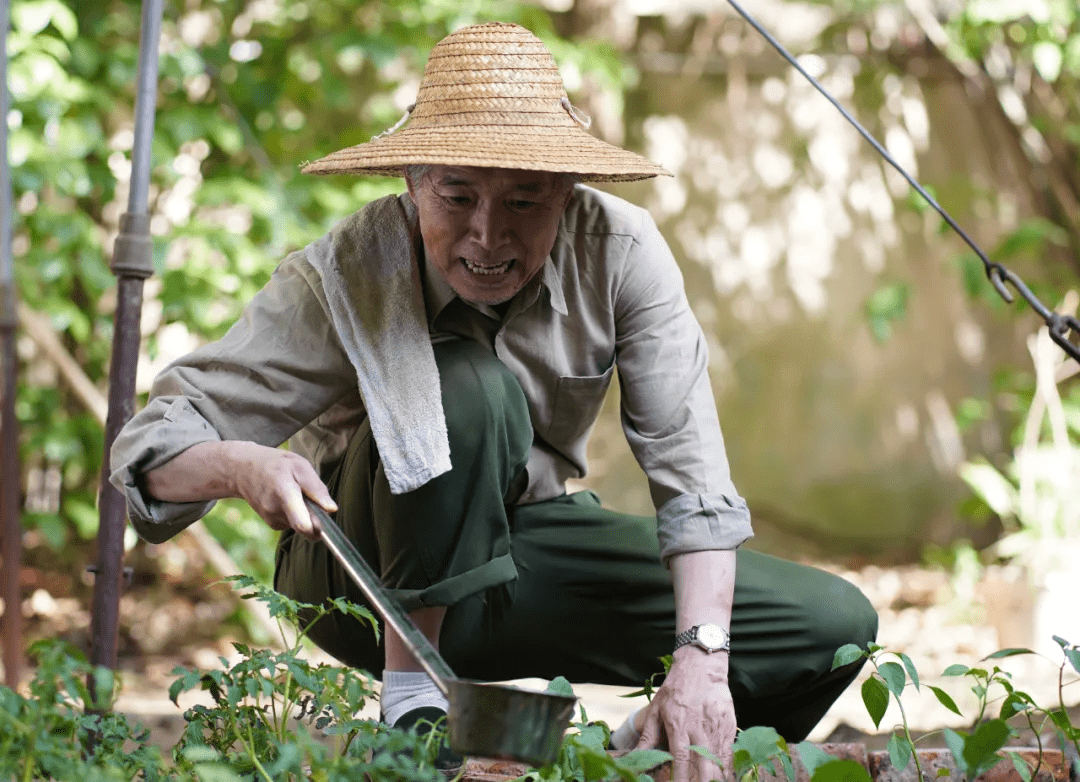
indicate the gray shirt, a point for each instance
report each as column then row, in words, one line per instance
column 609, row 301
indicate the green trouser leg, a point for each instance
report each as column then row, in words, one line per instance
column 435, row 546
column 562, row 587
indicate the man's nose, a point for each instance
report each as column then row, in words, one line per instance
column 488, row 225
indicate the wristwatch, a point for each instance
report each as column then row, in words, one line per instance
column 710, row 637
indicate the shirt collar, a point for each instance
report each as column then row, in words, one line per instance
column 553, row 281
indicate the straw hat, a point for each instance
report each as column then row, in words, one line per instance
column 491, row 96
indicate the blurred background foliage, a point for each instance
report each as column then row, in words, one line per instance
column 249, row 89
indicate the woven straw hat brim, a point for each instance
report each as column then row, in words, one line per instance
column 491, row 97
column 557, row 149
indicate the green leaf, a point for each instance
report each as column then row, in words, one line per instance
column 956, row 669
column 595, row 764
column 909, row 666
column 1014, row 703
column 955, row 742
column 760, row 743
column 893, row 674
column 981, row 747
column 899, row 752
column 1011, row 652
column 84, row 515
column 1021, row 766
column 785, row 763
column 846, row 655
column 641, row 760
column 813, row 756
column 885, row 306
column 200, row 753
column 976, row 753
column 560, row 686
column 1031, row 238
column 33, row 17
column 216, row 772
column 875, row 697
column 841, row 771
column 945, row 699
column 1073, row 656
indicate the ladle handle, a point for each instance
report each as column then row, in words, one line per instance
column 393, row 614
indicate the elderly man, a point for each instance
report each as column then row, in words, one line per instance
column 438, row 360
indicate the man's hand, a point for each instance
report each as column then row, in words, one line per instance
column 693, row 706
column 273, row 482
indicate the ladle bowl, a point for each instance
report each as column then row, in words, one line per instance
column 503, row 723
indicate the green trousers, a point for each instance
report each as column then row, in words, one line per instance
column 562, row 587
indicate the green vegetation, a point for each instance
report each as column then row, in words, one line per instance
column 982, row 748
column 275, row 717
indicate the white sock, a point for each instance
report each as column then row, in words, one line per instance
column 626, row 735
column 403, row 691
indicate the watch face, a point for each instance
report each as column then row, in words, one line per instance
column 712, row 636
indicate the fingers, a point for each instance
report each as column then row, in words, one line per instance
column 651, row 731
column 275, row 482
column 313, row 487
column 657, row 733
column 666, row 729
column 297, row 513
column 703, row 768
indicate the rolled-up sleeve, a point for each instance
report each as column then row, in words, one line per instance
column 275, row 371
column 668, row 409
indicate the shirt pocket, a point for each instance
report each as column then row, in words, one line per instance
column 578, row 400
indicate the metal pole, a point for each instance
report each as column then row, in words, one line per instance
column 10, row 474
column 131, row 263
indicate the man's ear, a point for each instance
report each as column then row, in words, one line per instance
column 410, row 188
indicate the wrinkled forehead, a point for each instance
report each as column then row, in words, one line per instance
column 492, row 179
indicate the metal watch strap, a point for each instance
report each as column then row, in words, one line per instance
column 693, row 635
column 685, row 637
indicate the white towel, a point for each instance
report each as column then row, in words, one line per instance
column 372, row 283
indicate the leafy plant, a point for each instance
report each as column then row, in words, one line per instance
column 274, row 717
column 650, row 685
column 583, row 756
column 265, row 705
column 978, row 750
column 64, row 731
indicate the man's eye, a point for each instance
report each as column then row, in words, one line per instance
column 458, row 200
column 522, row 205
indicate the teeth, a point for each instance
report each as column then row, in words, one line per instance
column 477, row 269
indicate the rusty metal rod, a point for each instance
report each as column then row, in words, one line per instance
column 9, row 511
column 131, row 263
column 10, row 474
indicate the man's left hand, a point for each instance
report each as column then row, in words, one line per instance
column 693, row 707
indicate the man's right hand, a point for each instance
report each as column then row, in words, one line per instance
column 272, row 481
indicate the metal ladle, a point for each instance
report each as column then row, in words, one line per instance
column 485, row 720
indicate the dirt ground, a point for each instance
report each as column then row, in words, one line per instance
column 174, row 614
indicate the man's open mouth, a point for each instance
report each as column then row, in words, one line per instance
column 499, row 268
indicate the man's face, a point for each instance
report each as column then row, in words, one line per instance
column 488, row 230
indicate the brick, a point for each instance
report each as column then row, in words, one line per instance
column 1053, row 767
